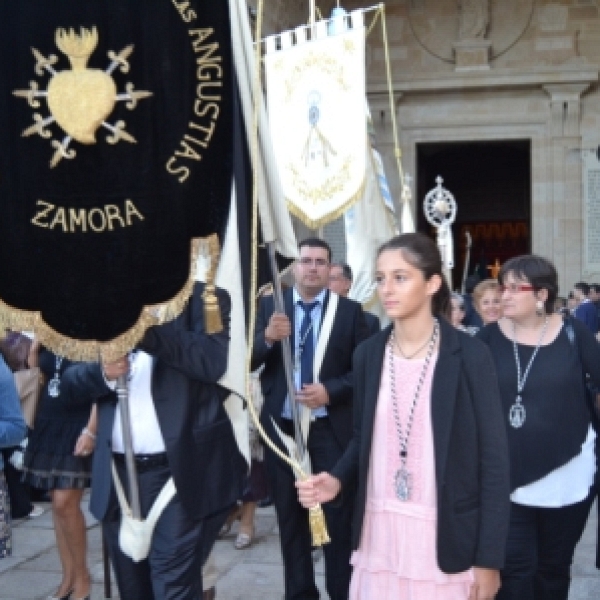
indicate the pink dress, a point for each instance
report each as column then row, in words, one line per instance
column 396, row 558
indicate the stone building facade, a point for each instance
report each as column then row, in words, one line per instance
column 515, row 78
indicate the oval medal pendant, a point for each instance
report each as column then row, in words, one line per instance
column 516, row 415
column 54, row 387
column 402, row 482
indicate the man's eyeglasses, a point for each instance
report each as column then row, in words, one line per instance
column 319, row 262
column 513, row 288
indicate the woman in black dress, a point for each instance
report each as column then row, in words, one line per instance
column 58, row 459
column 541, row 361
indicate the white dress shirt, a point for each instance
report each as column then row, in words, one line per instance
column 315, row 315
column 145, row 430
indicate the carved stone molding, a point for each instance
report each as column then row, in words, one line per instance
column 565, row 109
column 495, row 78
column 379, row 105
column 437, row 24
column 472, row 54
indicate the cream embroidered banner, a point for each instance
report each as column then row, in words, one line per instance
column 315, row 93
column 369, row 223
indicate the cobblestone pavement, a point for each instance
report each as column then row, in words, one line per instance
column 33, row 572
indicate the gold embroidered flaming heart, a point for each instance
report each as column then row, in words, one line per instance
column 80, row 99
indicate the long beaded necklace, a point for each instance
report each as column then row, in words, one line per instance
column 403, row 477
column 54, row 383
column 517, row 413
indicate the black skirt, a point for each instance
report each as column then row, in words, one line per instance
column 50, row 462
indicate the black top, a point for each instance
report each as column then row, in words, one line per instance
column 557, row 415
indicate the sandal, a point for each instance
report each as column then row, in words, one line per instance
column 234, row 515
column 243, row 540
column 67, row 596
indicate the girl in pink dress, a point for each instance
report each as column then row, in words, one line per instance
column 428, row 460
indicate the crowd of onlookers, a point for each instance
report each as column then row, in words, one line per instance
column 482, row 304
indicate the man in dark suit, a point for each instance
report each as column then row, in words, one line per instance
column 315, row 319
column 340, row 282
column 586, row 309
column 595, row 298
column 180, row 429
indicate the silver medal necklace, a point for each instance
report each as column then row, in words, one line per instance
column 54, row 383
column 517, row 413
column 300, row 349
column 403, row 478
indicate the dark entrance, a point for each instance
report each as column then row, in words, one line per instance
column 491, row 182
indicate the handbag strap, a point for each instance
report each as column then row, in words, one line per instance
column 166, row 495
column 125, row 508
column 590, row 389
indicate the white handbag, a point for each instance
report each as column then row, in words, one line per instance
column 135, row 536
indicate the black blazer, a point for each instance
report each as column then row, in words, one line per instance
column 348, row 330
column 471, row 452
column 204, row 459
column 373, row 323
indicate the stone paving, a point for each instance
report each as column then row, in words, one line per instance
column 33, row 572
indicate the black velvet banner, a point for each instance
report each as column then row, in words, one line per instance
column 115, row 151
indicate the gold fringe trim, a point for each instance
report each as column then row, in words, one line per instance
column 318, row 526
column 213, row 322
column 318, row 223
column 93, row 350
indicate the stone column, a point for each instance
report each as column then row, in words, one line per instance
column 564, row 168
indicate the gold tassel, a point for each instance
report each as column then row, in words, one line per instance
column 212, row 314
column 213, row 323
column 318, row 526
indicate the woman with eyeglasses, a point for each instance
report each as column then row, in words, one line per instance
column 487, row 300
column 541, row 361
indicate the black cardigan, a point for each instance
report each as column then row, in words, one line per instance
column 471, row 454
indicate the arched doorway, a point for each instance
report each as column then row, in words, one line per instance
column 491, row 181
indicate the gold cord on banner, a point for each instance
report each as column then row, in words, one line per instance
column 397, row 151
column 388, row 69
column 317, row 523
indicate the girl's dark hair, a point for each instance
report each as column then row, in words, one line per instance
column 538, row 271
column 422, row 253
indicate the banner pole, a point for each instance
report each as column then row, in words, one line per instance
column 313, row 12
column 286, row 351
column 134, row 492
